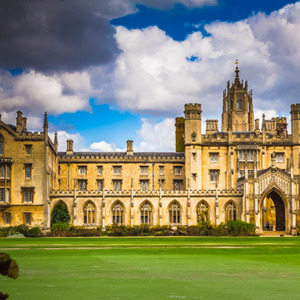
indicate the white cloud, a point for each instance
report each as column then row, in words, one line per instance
column 63, row 136
column 105, row 147
column 156, row 136
column 36, row 92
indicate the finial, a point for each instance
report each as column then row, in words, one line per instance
column 45, row 120
column 55, row 138
column 237, row 70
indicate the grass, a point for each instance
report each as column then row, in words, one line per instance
column 154, row 268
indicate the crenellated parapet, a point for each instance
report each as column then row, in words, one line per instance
column 192, row 111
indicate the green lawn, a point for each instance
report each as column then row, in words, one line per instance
column 154, row 268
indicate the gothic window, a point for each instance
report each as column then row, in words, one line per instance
column 239, row 104
column 2, row 171
column 177, row 184
column 99, row 168
column 144, row 170
column 82, row 185
column 177, row 170
column 99, row 185
column 117, row 170
column 214, row 174
column 89, row 214
column 174, row 213
column 146, row 213
column 117, row 185
column 203, row 211
column 161, row 171
column 7, row 218
column 27, row 195
column 214, row 157
column 28, row 169
column 2, row 194
column 230, row 211
column 118, row 213
column 28, row 149
column 279, row 157
column 82, row 170
column 27, row 218
column 144, row 185
column 1, row 145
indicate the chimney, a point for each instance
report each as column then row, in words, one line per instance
column 24, row 121
column 129, row 147
column 19, row 122
column 69, row 147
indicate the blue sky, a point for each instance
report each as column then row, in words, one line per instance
column 108, row 71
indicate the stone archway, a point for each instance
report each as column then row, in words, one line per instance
column 276, row 218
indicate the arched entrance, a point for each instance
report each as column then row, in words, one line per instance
column 273, row 212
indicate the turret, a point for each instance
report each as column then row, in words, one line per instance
column 179, row 133
column 237, row 106
column 192, row 112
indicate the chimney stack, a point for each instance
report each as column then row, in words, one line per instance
column 129, row 147
column 69, row 147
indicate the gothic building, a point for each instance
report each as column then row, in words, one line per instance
column 240, row 172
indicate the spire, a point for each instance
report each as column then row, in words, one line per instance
column 55, row 139
column 45, row 126
column 237, row 78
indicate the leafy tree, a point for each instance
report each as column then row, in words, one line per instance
column 60, row 214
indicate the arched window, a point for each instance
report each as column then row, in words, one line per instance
column 146, row 213
column 239, row 104
column 203, row 211
column 89, row 213
column 118, row 213
column 174, row 213
column 230, row 211
column 1, row 145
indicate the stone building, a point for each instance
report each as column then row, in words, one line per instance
column 240, row 172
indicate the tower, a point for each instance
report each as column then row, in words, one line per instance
column 237, row 112
column 193, row 148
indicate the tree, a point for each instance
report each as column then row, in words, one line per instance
column 60, row 214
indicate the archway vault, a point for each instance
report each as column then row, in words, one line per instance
column 281, row 205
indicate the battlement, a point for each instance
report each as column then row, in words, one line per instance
column 192, row 107
column 295, row 107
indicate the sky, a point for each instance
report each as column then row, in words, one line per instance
column 110, row 71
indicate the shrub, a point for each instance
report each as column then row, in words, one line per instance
column 76, row 231
column 240, row 228
column 60, row 229
column 34, row 232
column 60, row 214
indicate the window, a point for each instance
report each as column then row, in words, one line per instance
column 239, row 104
column 144, row 170
column 89, row 213
column 27, row 195
column 2, row 171
column 177, row 185
column 161, row 183
column 99, row 168
column 100, row 185
column 1, row 145
column 246, row 155
column 117, row 185
column 194, row 176
column 146, row 213
column 202, row 212
column 28, row 149
column 27, row 217
column 144, row 185
column 82, row 185
column 4, row 195
column 82, row 170
column 230, row 211
column 214, row 174
column 174, row 213
column 161, row 171
column 7, row 218
column 28, row 171
column 214, row 157
column 177, row 170
column 118, row 213
column 117, row 170
column 279, row 157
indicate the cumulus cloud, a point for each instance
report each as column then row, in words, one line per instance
column 105, row 147
column 63, row 136
column 156, row 74
column 34, row 92
column 156, row 136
